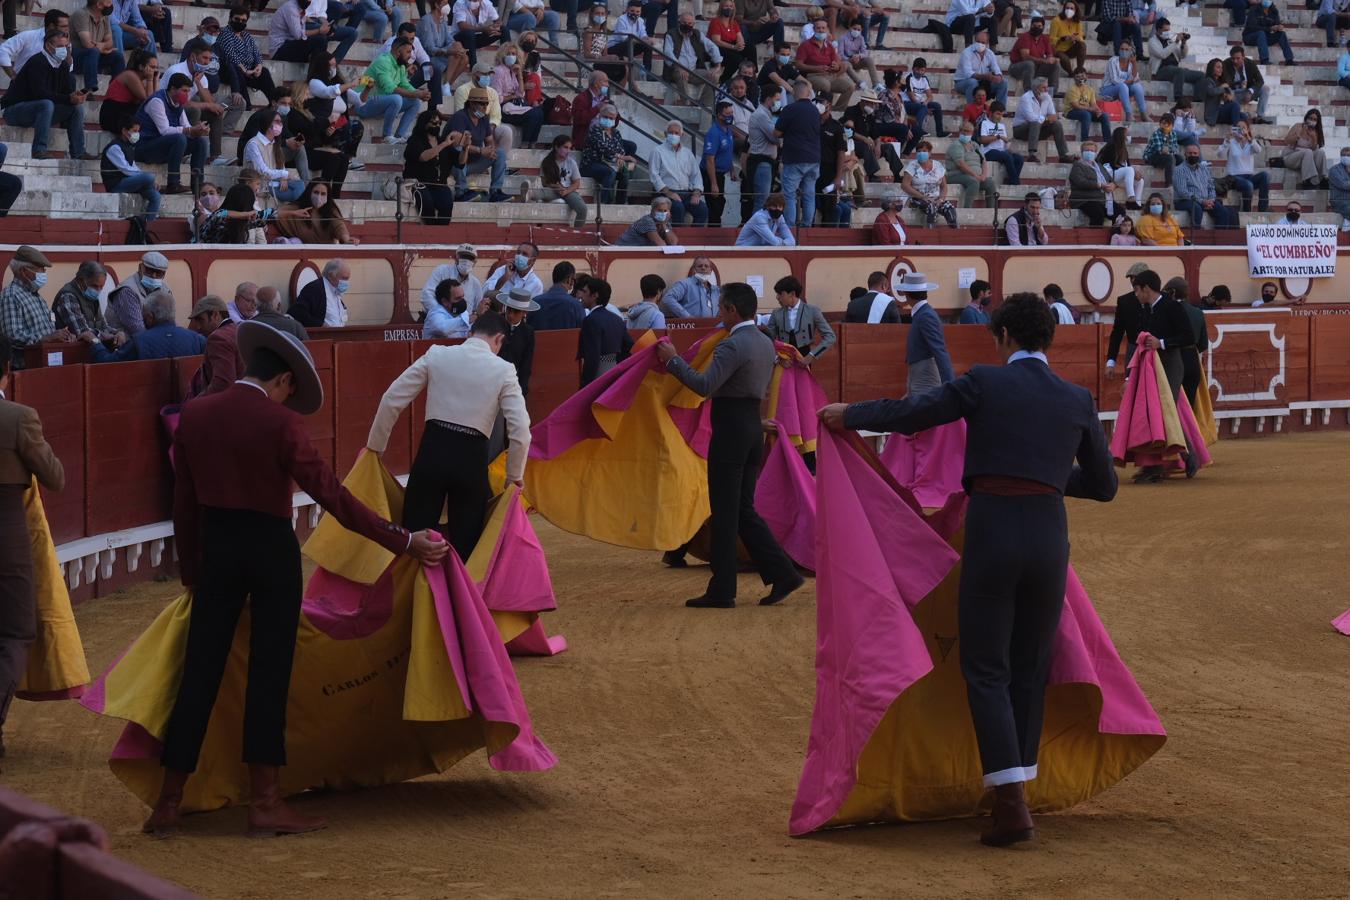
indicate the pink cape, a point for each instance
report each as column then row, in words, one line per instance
column 1141, row 435
column 1342, row 622
column 878, row 560
column 785, row 497
column 929, row 463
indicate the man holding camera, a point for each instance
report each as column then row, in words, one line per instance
column 1168, row 52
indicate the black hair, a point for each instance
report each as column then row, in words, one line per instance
column 740, row 297
column 996, row 106
column 583, row 279
column 178, row 80
column 722, row 106
column 878, row 278
column 563, row 271
column 126, row 121
column 1030, row 196
column 6, row 352
column 488, row 325
column 264, row 364
column 977, row 288
column 1149, row 279
column 788, row 285
column 52, row 17
column 1026, row 320
column 856, row 293
column 600, row 288
column 1053, row 291
column 651, row 285
column 400, row 44
column 781, row 45
column 445, row 289
column 1221, row 292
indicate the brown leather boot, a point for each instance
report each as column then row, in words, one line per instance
column 1011, row 818
column 163, row 819
column 268, row 814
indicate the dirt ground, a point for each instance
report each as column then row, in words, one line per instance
column 681, row 734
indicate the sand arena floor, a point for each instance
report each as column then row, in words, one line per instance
column 681, row 734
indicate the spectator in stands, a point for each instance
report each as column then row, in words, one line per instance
column 1238, row 9
column 1263, row 28
column 977, row 108
column 1240, row 149
column 853, row 48
column 126, row 301
column 1343, row 67
column 476, row 25
column 319, row 303
column 1162, row 150
column 44, row 93
column 1305, row 153
column 314, row 217
column 462, row 271
column 129, row 28
column 293, row 38
column 976, row 312
column 25, row 320
column 561, row 178
column 1217, row 96
column 833, row 152
column 696, row 53
column 799, row 128
column 767, row 227
column 1080, row 105
column 377, row 14
column 1293, row 212
column 1122, row 232
column 76, row 306
column 20, row 48
column 202, row 105
column 925, row 181
column 1115, row 158
column 1168, row 56
column 290, row 144
column 1023, row 228
column 529, row 15
column 1157, row 227
column 1035, row 117
column 392, row 95
column 160, row 339
column 587, row 106
column 221, row 364
column 978, row 66
column 1245, row 77
column 1033, row 56
column 698, row 295
column 504, row 135
column 1119, row 18
column 652, row 229
column 11, row 186
column 269, row 313
column 820, row 62
column 724, row 32
column 888, row 228
column 630, row 36
column 129, row 90
column 240, row 59
column 761, row 24
column 1184, row 124
column 329, row 99
column 1340, row 189
column 779, row 70
column 604, row 339
column 1066, row 38
column 558, row 309
column 448, row 58
column 761, row 162
column 244, row 306
column 445, row 318
column 718, row 158
column 264, row 154
column 92, row 43
column 518, row 274
column 967, row 167
column 646, row 313
column 428, row 160
column 1089, row 185
column 508, row 82
column 1334, row 17
column 1270, row 297
column 969, row 18
column 1121, row 81
column 675, row 174
column 605, row 158
column 918, row 99
column 993, row 137
column 121, row 175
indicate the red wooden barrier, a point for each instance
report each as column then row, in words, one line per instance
column 322, row 424
column 58, row 396
column 1330, row 358
column 873, row 361
column 556, row 372
column 125, row 450
column 362, row 373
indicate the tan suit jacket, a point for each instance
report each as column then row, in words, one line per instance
column 24, row 452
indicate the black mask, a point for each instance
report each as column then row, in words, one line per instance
column 236, row 26
column 1269, row 298
column 775, row 213
column 1293, row 216
column 686, row 29
column 985, row 301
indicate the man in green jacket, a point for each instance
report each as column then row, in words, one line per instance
column 392, row 94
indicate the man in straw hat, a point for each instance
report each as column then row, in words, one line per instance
column 237, row 453
column 930, row 366
column 467, row 387
column 484, row 150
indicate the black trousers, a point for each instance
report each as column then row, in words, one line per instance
column 249, row 556
column 1011, row 596
column 451, row 469
column 1190, row 373
column 716, row 204
column 18, row 615
column 735, row 453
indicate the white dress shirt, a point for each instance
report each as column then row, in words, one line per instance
column 507, row 279
column 473, row 287
column 335, row 312
column 22, row 47
column 466, row 385
column 184, row 68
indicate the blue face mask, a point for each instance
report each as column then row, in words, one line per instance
column 1155, row 208
column 208, row 39
column 61, row 53
column 660, row 216
column 343, row 285
column 1089, row 155
column 778, row 105
column 848, row 133
column 965, row 139
column 922, row 156
column 673, row 140
column 604, row 90
column 152, row 284
column 485, row 81
column 606, row 122
column 522, row 262
column 39, row 280
column 91, row 293
column 784, row 59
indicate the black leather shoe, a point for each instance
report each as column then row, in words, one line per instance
column 1192, row 466
column 781, row 590
column 674, row 559
column 706, row 602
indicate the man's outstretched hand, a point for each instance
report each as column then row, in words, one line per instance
column 665, row 351
column 427, row 549
column 833, row 416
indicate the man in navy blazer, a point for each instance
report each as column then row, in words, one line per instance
column 929, row 363
column 1032, row 440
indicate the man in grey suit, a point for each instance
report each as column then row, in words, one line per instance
column 930, row 366
column 797, row 322
column 736, row 378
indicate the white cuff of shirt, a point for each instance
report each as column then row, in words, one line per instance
column 1110, row 363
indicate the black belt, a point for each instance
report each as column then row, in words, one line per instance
column 457, row 428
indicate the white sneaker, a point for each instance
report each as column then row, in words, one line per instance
column 221, row 161
column 394, row 141
column 355, row 166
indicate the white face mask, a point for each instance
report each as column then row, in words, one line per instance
column 465, row 266
column 706, row 277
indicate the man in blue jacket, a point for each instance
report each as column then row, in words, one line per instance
column 161, row 339
column 930, row 366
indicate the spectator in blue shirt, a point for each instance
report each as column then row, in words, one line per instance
column 161, row 339
column 767, row 228
column 799, row 129
column 557, row 307
column 977, row 312
column 718, row 152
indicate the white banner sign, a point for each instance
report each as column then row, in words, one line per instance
column 1291, row 251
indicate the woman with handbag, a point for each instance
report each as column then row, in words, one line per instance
column 509, row 82
column 331, row 101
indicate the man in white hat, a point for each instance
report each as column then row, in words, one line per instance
column 929, row 364
column 467, row 387
column 518, row 348
column 237, row 454
column 126, row 302
column 460, row 270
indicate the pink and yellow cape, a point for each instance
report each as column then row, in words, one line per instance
column 1152, row 428
column 891, row 737
column 56, row 667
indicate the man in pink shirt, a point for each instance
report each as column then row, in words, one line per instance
column 820, row 63
column 1033, row 56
